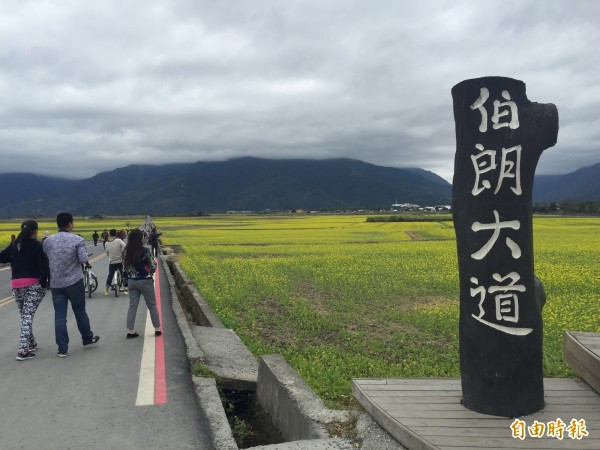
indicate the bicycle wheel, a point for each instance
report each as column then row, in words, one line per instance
column 117, row 282
column 94, row 283
column 89, row 289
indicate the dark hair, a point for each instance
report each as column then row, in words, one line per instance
column 134, row 250
column 113, row 232
column 28, row 228
column 64, row 219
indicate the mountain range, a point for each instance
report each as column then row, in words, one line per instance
column 581, row 185
column 252, row 184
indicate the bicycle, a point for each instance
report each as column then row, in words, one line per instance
column 117, row 282
column 90, row 281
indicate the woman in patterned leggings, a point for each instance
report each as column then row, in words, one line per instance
column 29, row 279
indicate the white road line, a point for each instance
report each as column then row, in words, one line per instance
column 145, row 394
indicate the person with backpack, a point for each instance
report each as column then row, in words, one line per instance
column 29, row 279
column 140, row 265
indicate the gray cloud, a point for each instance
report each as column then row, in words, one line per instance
column 87, row 87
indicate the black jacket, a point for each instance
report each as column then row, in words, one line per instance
column 29, row 261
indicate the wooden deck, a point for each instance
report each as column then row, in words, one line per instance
column 426, row 414
column 582, row 354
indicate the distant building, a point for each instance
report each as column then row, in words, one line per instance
column 405, row 206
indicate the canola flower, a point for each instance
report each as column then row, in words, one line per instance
column 341, row 298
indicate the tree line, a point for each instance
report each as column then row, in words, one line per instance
column 568, row 206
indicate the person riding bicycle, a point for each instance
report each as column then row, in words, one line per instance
column 114, row 250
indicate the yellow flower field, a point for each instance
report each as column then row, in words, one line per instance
column 343, row 298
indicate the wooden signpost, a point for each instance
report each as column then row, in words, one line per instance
column 500, row 136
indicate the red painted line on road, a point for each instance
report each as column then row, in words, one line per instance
column 160, row 384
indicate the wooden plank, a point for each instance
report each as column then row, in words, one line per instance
column 458, row 394
column 441, row 416
column 498, row 432
column 432, row 399
column 560, row 393
column 593, row 379
column 450, row 382
column 429, row 400
column 411, row 422
column 401, row 394
column 585, row 363
column 453, row 383
column 584, row 334
column 370, row 381
column 399, row 411
column 588, row 336
column 587, row 340
column 591, row 344
column 454, row 406
column 401, row 387
column 565, row 384
column 568, row 401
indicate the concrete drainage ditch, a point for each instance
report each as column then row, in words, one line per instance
column 250, row 425
column 263, row 403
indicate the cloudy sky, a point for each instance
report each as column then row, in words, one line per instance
column 87, row 87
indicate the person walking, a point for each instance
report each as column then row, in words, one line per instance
column 114, row 250
column 29, row 279
column 153, row 241
column 66, row 253
column 104, row 236
column 140, row 265
column 95, row 237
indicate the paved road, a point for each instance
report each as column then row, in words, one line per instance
column 88, row 400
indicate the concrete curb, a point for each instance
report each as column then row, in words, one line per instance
column 210, row 402
column 226, row 356
column 296, row 411
column 192, row 348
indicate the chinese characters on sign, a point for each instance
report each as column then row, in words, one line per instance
column 553, row 429
column 507, row 304
column 505, row 114
column 501, row 109
column 500, row 136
